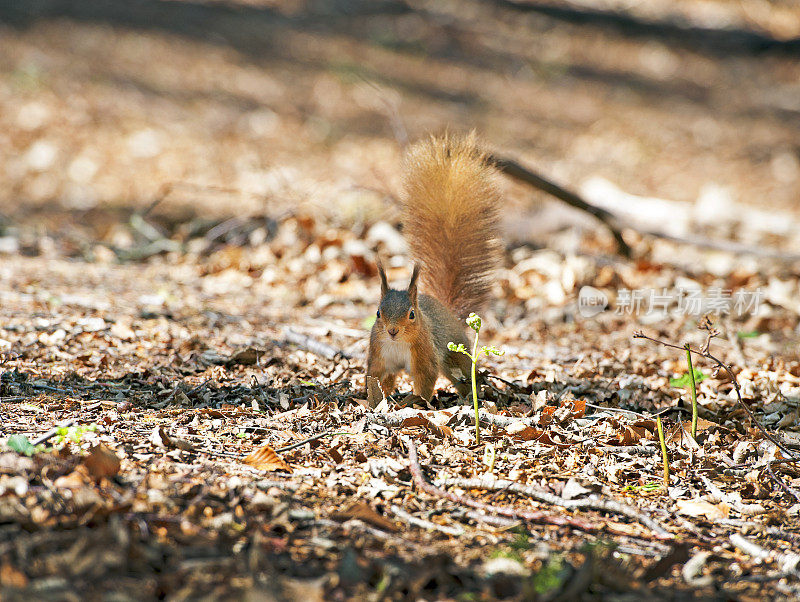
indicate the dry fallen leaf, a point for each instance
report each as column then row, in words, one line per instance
column 77, row 479
column 101, row 462
column 11, row 577
column 335, row 455
column 363, row 511
column 521, row 431
column 419, row 420
column 123, row 331
column 160, row 438
column 246, row 357
column 265, row 458
column 698, row 507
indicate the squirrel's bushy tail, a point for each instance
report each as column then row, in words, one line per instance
column 451, row 215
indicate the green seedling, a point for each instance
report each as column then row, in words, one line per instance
column 646, row 487
column 73, row 433
column 552, row 576
column 685, row 379
column 474, row 322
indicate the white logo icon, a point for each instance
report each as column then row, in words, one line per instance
column 591, row 301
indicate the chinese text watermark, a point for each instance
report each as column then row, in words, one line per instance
column 639, row 302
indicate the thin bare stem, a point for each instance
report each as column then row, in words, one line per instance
column 737, row 388
column 694, row 391
column 474, row 359
column 531, row 516
column 664, row 456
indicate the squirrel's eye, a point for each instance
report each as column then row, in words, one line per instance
column 411, row 315
column 379, row 313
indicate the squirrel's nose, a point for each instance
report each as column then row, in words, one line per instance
column 392, row 332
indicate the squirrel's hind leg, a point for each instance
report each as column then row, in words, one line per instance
column 458, row 369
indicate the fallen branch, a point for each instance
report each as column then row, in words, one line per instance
column 787, row 562
column 52, row 432
column 530, row 516
column 593, row 502
column 523, row 174
column 616, row 225
column 314, row 346
column 424, row 524
column 629, row 450
column 302, row 442
column 396, row 419
column 501, row 522
column 790, row 490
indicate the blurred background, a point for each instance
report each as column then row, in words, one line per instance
column 263, row 140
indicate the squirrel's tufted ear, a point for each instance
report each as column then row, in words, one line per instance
column 412, row 286
column 384, row 282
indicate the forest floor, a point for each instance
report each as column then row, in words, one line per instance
column 193, row 198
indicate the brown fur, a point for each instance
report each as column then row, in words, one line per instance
column 451, row 207
column 451, row 215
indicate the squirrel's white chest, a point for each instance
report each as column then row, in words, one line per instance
column 396, row 356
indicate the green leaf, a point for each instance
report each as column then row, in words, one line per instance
column 474, row 322
column 457, row 348
column 645, row 487
column 552, row 576
column 685, row 380
column 308, row 383
column 510, row 554
column 21, row 445
column 493, row 350
column 748, row 335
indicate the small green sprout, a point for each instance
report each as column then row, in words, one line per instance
column 21, row 445
column 73, row 433
column 685, row 379
column 474, row 322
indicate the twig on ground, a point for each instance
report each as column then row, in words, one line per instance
column 52, row 432
column 317, row 347
column 790, row 490
column 297, row 444
column 42, row 387
column 593, row 502
column 633, row 450
column 523, row 174
column 424, row 524
column 510, row 383
column 395, row 419
column 760, row 527
column 500, row 522
column 705, row 353
column 526, row 515
column 787, row 562
column 620, row 410
column 616, row 225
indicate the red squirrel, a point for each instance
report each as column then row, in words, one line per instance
column 451, row 222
